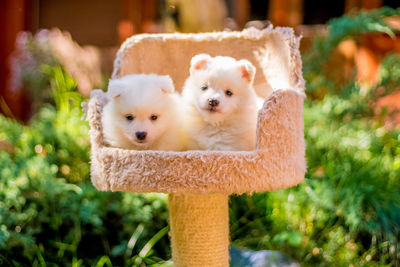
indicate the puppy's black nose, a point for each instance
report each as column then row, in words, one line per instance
column 141, row 135
column 213, row 102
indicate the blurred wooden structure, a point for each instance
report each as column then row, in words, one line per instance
column 14, row 18
column 296, row 12
column 106, row 23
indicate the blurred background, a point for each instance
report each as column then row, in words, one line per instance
column 345, row 213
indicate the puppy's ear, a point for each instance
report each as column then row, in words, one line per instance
column 166, row 84
column 115, row 88
column 199, row 62
column 247, row 70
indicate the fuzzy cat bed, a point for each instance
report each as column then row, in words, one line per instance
column 193, row 177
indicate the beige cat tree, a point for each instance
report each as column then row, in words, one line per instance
column 199, row 182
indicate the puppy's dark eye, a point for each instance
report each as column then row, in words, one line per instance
column 129, row 117
column 204, row 87
column 154, row 117
column 228, row 93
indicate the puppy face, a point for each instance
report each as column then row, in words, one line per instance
column 219, row 86
column 140, row 107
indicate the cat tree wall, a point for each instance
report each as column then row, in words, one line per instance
column 199, row 182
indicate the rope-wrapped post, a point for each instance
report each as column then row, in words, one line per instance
column 199, row 230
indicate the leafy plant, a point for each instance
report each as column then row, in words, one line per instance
column 341, row 29
column 31, row 52
column 49, row 211
column 389, row 73
column 347, row 211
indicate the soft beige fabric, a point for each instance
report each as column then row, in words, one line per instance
column 273, row 51
column 199, row 230
column 277, row 162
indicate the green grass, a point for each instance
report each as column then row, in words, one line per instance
column 49, row 210
column 347, row 210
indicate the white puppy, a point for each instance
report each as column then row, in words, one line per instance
column 221, row 104
column 142, row 113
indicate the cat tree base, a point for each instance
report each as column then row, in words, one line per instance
column 199, row 230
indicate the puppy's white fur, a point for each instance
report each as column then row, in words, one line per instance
column 142, row 96
column 232, row 124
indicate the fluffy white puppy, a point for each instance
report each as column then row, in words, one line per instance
column 142, row 113
column 221, row 104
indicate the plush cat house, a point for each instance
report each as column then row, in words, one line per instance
column 199, row 182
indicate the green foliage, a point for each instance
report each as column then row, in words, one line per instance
column 389, row 72
column 340, row 29
column 348, row 209
column 349, row 26
column 49, row 211
column 30, row 53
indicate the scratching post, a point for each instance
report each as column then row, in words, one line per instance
column 199, row 229
column 199, row 182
